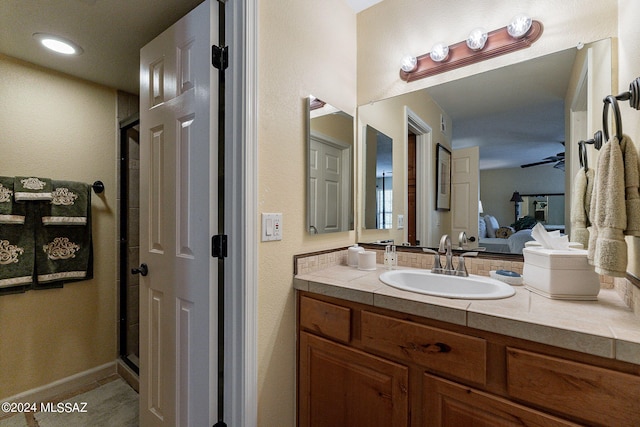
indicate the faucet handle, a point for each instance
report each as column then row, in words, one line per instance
column 437, row 267
column 461, row 270
column 462, row 240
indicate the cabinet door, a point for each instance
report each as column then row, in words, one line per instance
column 446, row 403
column 341, row 386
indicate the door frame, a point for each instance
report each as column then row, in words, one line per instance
column 241, row 159
column 424, row 173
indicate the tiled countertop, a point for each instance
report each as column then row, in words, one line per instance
column 606, row 327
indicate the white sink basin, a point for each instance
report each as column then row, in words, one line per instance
column 440, row 285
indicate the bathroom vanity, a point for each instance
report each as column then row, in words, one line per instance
column 370, row 355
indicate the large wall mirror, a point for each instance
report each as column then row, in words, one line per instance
column 378, row 179
column 330, row 154
column 524, row 122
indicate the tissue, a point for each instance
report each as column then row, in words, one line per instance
column 549, row 240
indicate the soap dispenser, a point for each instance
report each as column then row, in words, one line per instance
column 390, row 257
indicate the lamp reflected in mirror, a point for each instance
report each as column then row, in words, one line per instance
column 516, row 198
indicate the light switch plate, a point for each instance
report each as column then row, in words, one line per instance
column 400, row 222
column 271, row 227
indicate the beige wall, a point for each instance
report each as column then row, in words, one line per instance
column 62, row 128
column 497, row 187
column 304, row 48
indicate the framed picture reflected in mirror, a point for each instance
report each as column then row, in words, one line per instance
column 443, row 178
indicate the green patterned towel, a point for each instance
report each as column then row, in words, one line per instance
column 31, row 188
column 11, row 212
column 69, row 204
column 64, row 253
column 17, row 256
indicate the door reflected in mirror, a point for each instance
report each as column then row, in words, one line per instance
column 330, row 137
column 378, row 178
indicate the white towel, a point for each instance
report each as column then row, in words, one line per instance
column 607, row 247
column 631, row 184
column 580, row 205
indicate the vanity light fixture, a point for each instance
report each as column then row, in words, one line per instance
column 58, row 44
column 521, row 33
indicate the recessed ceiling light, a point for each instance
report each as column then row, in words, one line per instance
column 58, row 44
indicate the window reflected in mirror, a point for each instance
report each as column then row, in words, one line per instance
column 330, row 139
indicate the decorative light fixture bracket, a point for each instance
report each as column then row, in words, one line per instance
column 499, row 42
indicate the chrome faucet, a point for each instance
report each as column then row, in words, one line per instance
column 445, row 248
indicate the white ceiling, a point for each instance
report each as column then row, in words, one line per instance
column 360, row 5
column 111, row 32
column 515, row 114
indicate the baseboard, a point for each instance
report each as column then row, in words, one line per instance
column 128, row 375
column 64, row 385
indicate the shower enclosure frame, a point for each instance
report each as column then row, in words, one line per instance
column 124, row 266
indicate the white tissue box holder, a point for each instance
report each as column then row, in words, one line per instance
column 560, row 274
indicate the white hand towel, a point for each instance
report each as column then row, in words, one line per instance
column 607, row 248
column 631, row 183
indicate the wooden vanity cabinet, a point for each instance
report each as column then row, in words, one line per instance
column 364, row 366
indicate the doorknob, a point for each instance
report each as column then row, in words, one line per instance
column 143, row 270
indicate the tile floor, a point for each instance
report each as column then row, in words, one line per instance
column 109, row 402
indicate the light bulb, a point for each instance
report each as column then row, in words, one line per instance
column 409, row 63
column 477, row 39
column 439, row 52
column 58, row 44
column 519, row 26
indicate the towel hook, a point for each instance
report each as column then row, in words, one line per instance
column 611, row 100
column 596, row 141
column 632, row 95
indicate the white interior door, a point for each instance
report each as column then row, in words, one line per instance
column 328, row 185
column 465, row 176
column 178, row 213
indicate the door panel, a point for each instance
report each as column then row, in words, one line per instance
column 328, row 178
column 178, row 208
column 465, row 175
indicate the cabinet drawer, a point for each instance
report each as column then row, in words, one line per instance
column 591, row 393
column 446, row 403
column 443, row 351
column 326, row 319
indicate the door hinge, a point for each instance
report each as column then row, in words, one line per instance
column 220, row 57
column 219, row 246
